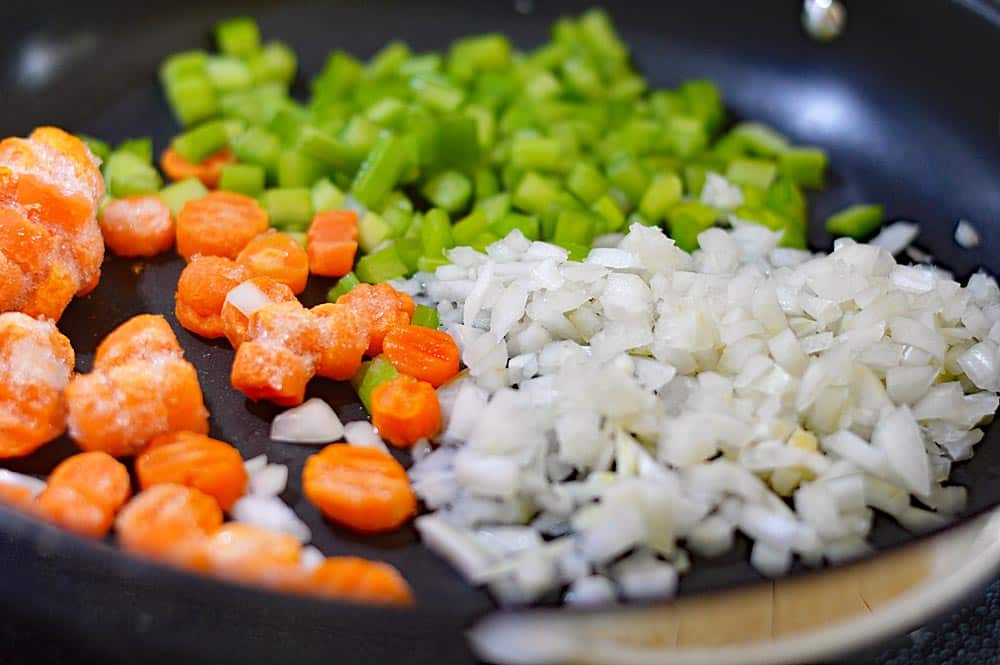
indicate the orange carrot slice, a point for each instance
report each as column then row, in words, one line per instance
column 196, row 460
column 208, row 171
column 384, row 307
column 219, row 224
column 424, row 353
column 201, row 293
column 332, row 242
column 137, row 226
column 343, row 341
column 84, row 493
column 405, row 410
column 278, row 256
column 234, row 322
column 359, row 580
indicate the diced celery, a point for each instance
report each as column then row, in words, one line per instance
column 380, row 266
column 856, row 221
column 343, row 285
column 177, row 194
column 425, row 316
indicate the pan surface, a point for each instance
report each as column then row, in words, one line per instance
column 906, row 103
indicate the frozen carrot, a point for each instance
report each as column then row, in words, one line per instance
column 423, row 353
column 140, row 338
column 85, row 164
column 343, row 341
column 359, row 580
column 234, row 321
column 36, row 362
column 137, row 226
column 364, row 489
column 87, row 249
column 84, row 493
column 208, row 171
column 170, row 523
column 383, row 306
column 189, row 458
column 201, row 293
column 17, row 496
column 250, row 554
column 332, row 242
column 278, row 256
column 219, row 224
column 53, row 292
column 405, row 410
column 277, row 359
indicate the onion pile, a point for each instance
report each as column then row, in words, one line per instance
column 620, row 412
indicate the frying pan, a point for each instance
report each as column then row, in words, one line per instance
column 906, row 103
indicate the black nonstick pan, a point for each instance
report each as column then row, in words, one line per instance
column 907, row 103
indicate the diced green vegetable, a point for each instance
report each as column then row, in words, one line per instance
column 343, row 285
column 380, row 172
column 760, row 139
column 326, row 196
column 469, row 227
column 297, row 169
column 436, row 233
column 425, row 316
column 370, row 376
column 535, row 192
column 177, row 194
column 686, row 220
column 289, row 208
column 203, row 141
column 126, row 174
column 410, row 251
column 574, row 227
column 101, row 149
column 372, row 231
column 755, row 172
column 856, row 221
column 380, row 266
column 258, row 146
column 662, row 194
column 228, row 74
column 806, row 166
column 238, row 36
column 274, row 62
column 243, row 178
column 449, row 190
column 609, row 211
column 140, row 147
column 586, row 182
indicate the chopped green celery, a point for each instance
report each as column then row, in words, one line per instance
column 326, row 196
column 794, row 236
column 399, row 200
column 273, row 62
column 360, row 133
column 686, row 220
column 535, row 153
column 339, row 77
column 785, row 198
column 243, row 178
column 493, row 90
column 598, row 34
column 586, row 182
column 238, row 36
column 628, row 88
column 754, row 197
column 426, row 317
column 431, row 263
column 542, row 85
column 288, row 120
column 685, row 135
column 127, row 174
column 577, row 252
column 343, row 285
column 694, row 178
column 228, row 73
column 480, row 53
column 436, row 233
column 535, row 192
column 387, row 60
column 192, row 99
column 793, row 230
column 729, row 147
column 749, row 171
column 183, row 65
column 332, row 151
column 856, row 221
column 626, row 174
column 289, row 208
column 705, row 101
column 760, row 139
column 639, row 136
column 527, row 224
column 458, row 141
column 380, row 172
column 660, row 164
column 258, row 146
column 495, row 206
column 609, row 211
column 806, row 166
column 574, row 227
column 450, row 190
column 409, row 250
column 388, row 112
column 370, row 376
column 485, row 183
column 397, row 219
column 195, row 145
column 428, row 63
column 483, row 240
column 372, row 230
column 416, row 226
column 140, row 147
column 437, row 92
column 381, row 265
column 486, row 125
column 255, row 106
column 666, row 103
column 582, row 79
column 100, row 149
column 469, row 227
column 177, row 194
column 662, row 194
column 297, row 169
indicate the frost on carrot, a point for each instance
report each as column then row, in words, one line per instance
column 362, row 488
column 384, row 308
column 219, row 224
column 84, row 493
column 36, row 362
column 343, row 341
column 114, row 408
column 405, row 410
column 252, row 555
column 278, row 256
column 201, row 293
column 332, row 242
column 234, row 321
column 423, row 353
column 137, row 226
column 196, row 460
column 359, row 580
column 208, row 171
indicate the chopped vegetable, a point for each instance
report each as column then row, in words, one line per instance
column 383, row 306
column 856, row 221
column 137, row 226
column 84, row 493
column 371, row 375
column 278, row 256
column 201, row 293
column 343, row 340
column 405, row 410
column 332, row 243
column 219, row 224
column 426, row 354
column 425, row 316
column 195, row 460
column 359, row 580
column 180, row 192
column 236, row 315
column 208, row 171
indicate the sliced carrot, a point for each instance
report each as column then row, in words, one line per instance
column 359, row 580
column 278, row 256
column 140, row 338
column 219, row 224
column 202, row 290
column 332, row 242
column 250, row 554
column 405, row 410
column 208, row 171
column 195, row 460
column 85, row 164
column 343, row 341
column 170, row 523
column 423, row 353
column 137, row 226
column 84, row 493
column 53, row 292
column 36, row 362
column 182, row 397
column 17, row 496
column 383, row 306
column 234, row 322
column 362, row 488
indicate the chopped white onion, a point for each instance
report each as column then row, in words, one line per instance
column 313, row 422
column 247, row 298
